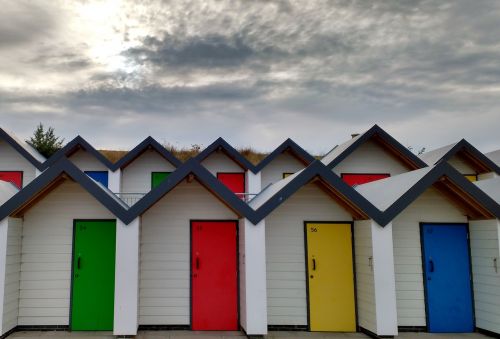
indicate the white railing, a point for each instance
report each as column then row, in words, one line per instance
column 246, row 197
column 130, row 198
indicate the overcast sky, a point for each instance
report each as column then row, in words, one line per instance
column 253, row 72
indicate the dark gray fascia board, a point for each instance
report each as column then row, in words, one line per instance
column 20, row 149
column 464, row 145
column 49, row 175
column 376, row 130
column 291, row 146
column 230, row 151
column 149, row 142
column 73, row 146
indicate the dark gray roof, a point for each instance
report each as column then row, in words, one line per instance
column 287, row 146
column 23, row 148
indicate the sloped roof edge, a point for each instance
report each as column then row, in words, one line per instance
column 290, row 145
column 21, row 150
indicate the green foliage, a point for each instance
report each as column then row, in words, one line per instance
column 45, row 141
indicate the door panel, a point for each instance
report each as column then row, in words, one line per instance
column 15, row 177
column 214, row 276
column 447, row 278
column 158, row 177
column 92, row 302
column 99, row 176
column 353, row 179
column 330, row 277
column 234, row 181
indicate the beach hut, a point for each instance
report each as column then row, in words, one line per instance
column 230, row 167
column 19, row 162
column 143, row 168
column 66, row 248
column 370, row 156
column 285, row 160
column 319, row 236
column 465, row 158
column 89, row 160
column 445, row 243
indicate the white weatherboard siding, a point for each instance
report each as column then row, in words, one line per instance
column 86, row 161
column 484, row 242
column 460, row 165
column 285, row 257
column 370, row 157
column 136, row 177
column 283, row 163
column 13, row 161
column 220, row 162
column 12, row 274
column 46, row 253
column 430, row 207
column 165, row 251
column 365, row 286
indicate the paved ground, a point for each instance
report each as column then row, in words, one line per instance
column 220, row 335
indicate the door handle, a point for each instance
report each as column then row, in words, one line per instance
column 314, row 264
column 431, row 265
column 78, row 262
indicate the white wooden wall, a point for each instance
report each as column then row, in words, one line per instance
column 484, row 242
column 12, row 274
column 370, row 157
column 136, row 177
column 365, row 286
column 46, row 253
column 283, row 163
column 285, row 257
column 220, row 162
column 13, row 161
column 86, row 161
column 460, row 165
column 165, row 250
column 431, row 206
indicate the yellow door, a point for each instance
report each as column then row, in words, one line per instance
column 331, row 277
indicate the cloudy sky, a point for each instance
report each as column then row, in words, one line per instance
column 253, row 72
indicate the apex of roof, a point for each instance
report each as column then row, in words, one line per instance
column 23, row 148
column 290, row 146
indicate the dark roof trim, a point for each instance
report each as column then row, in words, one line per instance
column 292, row 147
column 377, row 131
column 465, row 146
column 317, row 169
column 73, row 146
column 204, row 177
column 138, row 150
column 48, row 176
column 20, row 149
column 442, row 169
column 230, row 151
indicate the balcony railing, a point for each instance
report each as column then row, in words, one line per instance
column 130, row 198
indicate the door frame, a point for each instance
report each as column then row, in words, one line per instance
column 236, row 224
column 306, row 222
column 424, row 273
column 73, row 237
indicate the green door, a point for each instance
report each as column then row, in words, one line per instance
column 93, row 291
column 157, row 178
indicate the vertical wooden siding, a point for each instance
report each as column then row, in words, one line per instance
column 13, row 161
column 283, row 163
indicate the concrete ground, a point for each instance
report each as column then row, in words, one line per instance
column 220, row 335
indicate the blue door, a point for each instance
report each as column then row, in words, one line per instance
column 99, row 176
column 447, row 278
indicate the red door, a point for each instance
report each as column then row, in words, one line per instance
column 359, row 179
column 234, row 181
column 15, row 177
column 214, row 283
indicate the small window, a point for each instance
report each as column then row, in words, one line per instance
column 471, row 177
column 15, row 177
column 354, row 179
column 99, row 176
column 286, row 174
column 158, row 177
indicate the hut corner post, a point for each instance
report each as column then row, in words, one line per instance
column 126, row 278
column 4, row 226
column 114, row 180
column 252, row 271
column 384, row 280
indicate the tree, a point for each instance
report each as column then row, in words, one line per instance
column 45, row 141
